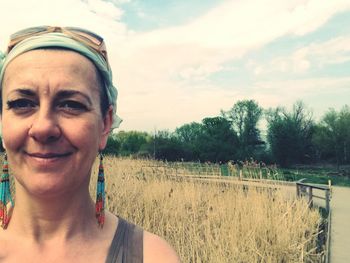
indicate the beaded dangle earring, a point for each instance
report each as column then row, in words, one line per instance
column 100, row 195
column 5, row 196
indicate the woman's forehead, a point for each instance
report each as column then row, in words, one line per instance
column 50, row 64
column 53, row 57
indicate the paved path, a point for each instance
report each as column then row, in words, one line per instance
column 340, row 226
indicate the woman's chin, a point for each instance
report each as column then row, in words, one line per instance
column 46, row 188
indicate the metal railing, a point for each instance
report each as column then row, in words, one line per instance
column 307, row 190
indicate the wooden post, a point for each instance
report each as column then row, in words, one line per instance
column 327, row 200
column 310, row 196
column 240, row 174
column 298, row 190
column 260, row 174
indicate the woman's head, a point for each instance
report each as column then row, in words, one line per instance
column 55, row 117
column 104, row 102
column 78, row 40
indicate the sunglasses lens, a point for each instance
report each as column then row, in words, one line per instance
column 23, row 34
column 88, row 35
column 28, row 31
column 88, row 38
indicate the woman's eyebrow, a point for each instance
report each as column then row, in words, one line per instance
column 24, row 91
column 70, row 93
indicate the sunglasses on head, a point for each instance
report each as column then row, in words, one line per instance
column 83, row 36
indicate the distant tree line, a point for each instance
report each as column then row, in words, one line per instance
column 292, row 137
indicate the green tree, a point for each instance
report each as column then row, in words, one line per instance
column 167, row 146
column 244, row 117
column 212, row 140
column 188, row 137
column 132, row 142
column 290, row 134
column 217, row 140
column 113, row 145
column 332, row 136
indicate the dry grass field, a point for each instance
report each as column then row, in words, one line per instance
column 211, row 222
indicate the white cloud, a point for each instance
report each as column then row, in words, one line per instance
column 319, row 94
column 162, row 74
column 291, row 90
column 247, row 23
column 318, row 55
column 120, row 1
column 293, row 64
column 227, row 32
column 104, row 9
column 92, row 15
column 333, row 51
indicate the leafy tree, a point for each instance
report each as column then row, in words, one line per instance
column 217, row 141
column 332, row 136
column 132, row 142
column 113, row 145
column 212, row 140
column 167, row 147
column 188, row 136
column 290, row 134
column 244, row 117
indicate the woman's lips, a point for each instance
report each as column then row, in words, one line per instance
column 47, row 160
column 48, row 155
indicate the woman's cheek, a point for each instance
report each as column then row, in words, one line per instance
column 84, row 133
column 14, row 133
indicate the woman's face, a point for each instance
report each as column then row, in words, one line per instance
column 52, row 125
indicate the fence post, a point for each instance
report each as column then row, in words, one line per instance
column 327, row 200
column 298, row 190
column 310, row 196
column 240, row 174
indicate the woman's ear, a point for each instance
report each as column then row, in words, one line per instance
column 3, row 144
column 107, row 126
column 2, row 139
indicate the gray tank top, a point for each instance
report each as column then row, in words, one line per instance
column 127, row 244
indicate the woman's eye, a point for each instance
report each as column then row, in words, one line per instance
column 72, row 105
column 21, row 104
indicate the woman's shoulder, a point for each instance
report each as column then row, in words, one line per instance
column 156, row 249
column 153, row 248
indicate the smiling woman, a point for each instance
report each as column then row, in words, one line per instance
column 46, row 93
column 58, row 107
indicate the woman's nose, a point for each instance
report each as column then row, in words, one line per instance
column 45, row 128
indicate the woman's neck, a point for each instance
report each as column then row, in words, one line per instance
column 56, row 217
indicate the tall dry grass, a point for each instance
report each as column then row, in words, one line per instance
column 211, row 222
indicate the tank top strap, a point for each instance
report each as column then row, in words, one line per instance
column 127, row 244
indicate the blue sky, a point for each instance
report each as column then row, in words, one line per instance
column 154, row 14
column 175, row 62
